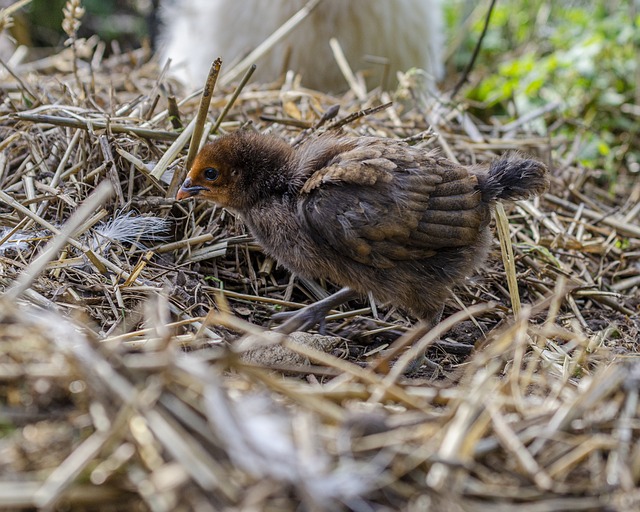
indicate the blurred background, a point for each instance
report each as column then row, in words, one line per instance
column 580, row 59
column 126, row 22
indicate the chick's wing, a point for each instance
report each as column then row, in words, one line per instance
column 379, row 204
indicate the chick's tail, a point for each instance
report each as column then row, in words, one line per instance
column 512, row 178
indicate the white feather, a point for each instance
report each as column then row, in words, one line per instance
column 259, row 436
column 122, row 228
column 129, row 229
column 19, row 241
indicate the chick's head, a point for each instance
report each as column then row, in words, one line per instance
column 237, row 170
column 212, row 177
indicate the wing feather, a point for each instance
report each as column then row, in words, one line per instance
column 390, row 203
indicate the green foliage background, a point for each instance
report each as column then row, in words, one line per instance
column 121, row 20
column 584, row 55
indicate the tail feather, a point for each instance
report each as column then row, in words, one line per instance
column 512, row 178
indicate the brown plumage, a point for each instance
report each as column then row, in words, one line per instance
column 373, row 215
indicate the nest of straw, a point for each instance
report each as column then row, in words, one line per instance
column 125, row 376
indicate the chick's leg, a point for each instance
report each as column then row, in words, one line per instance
column 430, row 322
column 312, row 314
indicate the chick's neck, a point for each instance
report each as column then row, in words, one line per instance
column 266, row 172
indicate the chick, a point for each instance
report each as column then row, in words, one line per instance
column 371, row 214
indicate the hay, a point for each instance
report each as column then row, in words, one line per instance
column 124, row 384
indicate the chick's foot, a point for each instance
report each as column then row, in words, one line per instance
column 415, row 365
column 313, row 314
column 431, row 320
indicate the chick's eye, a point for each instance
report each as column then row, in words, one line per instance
column 211, row 173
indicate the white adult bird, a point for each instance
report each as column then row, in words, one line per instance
column 407, row 33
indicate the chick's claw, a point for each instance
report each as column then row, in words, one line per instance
column 420, row 361
column 313, row 314
column 302, row 319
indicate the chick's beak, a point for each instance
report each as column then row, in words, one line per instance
column 188, row 189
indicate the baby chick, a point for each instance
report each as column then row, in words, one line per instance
column 371, row 214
